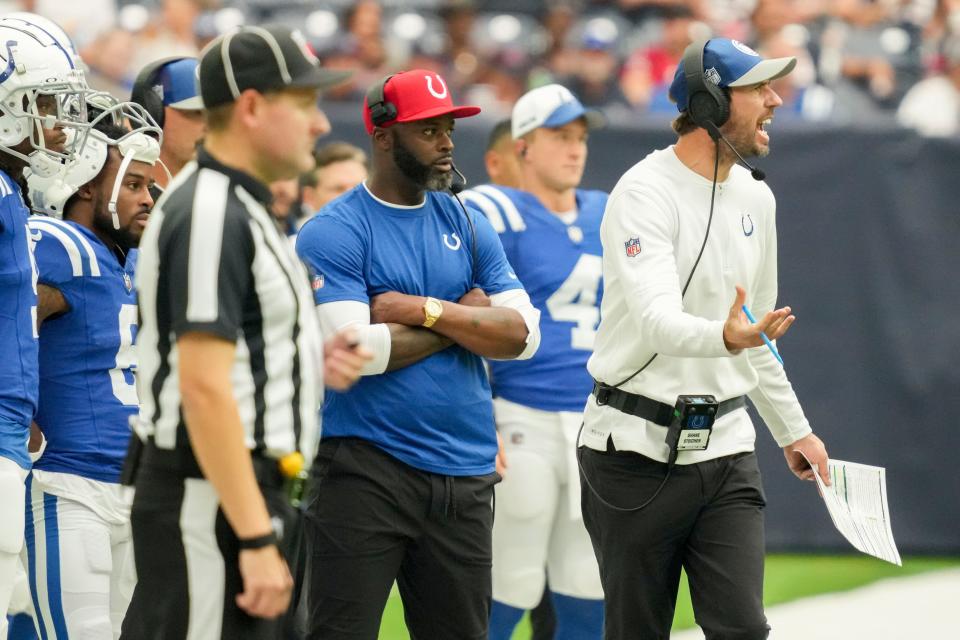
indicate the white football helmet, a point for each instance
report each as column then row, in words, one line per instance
column 55, row 31
column 41, row 87
column 49, row 194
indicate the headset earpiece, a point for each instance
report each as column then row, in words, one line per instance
column 706, row 102
column 380, row 110
column 143, row 93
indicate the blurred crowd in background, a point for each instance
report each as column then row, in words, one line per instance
column 860, row 62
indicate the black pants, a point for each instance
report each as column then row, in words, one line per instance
column 708, row 520
column 374, row 520
column 186, row 555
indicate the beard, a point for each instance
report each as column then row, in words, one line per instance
column 124, row 237
column 423, row 175
column 744, row 140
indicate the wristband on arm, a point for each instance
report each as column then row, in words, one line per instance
column 259, row 542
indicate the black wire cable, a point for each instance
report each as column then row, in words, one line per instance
column 673, row 452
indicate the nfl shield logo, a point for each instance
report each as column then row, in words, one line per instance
column 317, row 282
column 127, row 282
column 633, row 247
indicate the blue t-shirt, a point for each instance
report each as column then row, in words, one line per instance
column 18, row 336
column 87, row 390
column 435, row 415
column 559, row 265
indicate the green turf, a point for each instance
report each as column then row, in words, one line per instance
column 788, row 577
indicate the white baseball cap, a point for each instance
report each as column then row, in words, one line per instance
column 550, row 106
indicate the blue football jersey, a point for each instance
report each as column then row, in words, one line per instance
column 18, row 325
column 87, row 391
column 559, row 265
column 435, row 415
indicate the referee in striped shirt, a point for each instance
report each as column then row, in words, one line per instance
column 231, row 359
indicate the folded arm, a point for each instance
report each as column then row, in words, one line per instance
column 507, row 327
column 393, row 346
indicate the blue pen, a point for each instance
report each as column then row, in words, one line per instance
column 766, row 340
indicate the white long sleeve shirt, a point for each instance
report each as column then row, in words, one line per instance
column 664, row 206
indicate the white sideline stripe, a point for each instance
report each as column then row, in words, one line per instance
column 919, row 606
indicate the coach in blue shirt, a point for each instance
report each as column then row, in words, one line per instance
column 405, row 473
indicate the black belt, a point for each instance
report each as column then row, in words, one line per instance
column 182, row 461
column 651, row 410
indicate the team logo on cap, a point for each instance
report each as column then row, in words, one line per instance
column 443, row 86
column 744, row 48
column 632, row 247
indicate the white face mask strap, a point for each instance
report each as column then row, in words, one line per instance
column 165, row 170
column 117, row 183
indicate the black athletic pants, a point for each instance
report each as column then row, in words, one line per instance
column 708, row 519
column 372, row 520
column 187, row 556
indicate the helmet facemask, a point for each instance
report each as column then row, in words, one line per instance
column 51, row 193
column 40, row 91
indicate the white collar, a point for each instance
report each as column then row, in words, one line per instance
column 392, row 205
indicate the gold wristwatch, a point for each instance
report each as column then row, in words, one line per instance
column 432, row 309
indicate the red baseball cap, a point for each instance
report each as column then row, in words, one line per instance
column 417, row 94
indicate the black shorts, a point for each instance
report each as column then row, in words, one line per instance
column 374, row 520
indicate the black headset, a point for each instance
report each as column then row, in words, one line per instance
column 381, row 111
column 706, row 102
column 143, row 93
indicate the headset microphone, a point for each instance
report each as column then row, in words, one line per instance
column 455, row 188
column 460, row 184
column 714, row 132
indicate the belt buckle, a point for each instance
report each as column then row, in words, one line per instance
column 602, row 394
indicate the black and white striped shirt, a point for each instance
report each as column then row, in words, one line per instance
column 212, row 261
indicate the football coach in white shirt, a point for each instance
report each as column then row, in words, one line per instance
column 670, row 477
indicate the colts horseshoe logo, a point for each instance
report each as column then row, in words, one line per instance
column 443, row 93
column 743, row 223
column 453, row 246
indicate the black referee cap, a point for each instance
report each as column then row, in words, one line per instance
column 267, row 58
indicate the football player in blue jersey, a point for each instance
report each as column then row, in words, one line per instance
column 550, row 233
column 405, row 471
column 78, row 542
column 38, row 79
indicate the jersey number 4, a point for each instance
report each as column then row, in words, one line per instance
column 125, row 390
column 576, row 301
